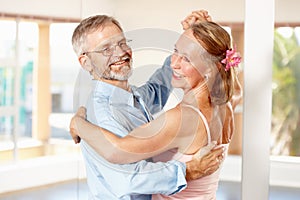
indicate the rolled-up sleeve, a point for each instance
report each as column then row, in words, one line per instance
column 142, row 177
column 152, row 178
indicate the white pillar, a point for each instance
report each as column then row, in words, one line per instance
column 259, row 33
column 42, row 94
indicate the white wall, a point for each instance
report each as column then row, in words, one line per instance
column 168, row 13
column 155, row 13
column 141, row 9
column 53, row 8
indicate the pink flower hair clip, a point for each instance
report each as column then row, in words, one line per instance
column 233, row 59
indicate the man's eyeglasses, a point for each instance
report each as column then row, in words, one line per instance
column 108, row 51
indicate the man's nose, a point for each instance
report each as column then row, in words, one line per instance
column 118, row 51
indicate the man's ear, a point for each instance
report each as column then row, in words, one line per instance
column 85, row 63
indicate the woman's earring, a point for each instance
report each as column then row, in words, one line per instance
column 206, row 76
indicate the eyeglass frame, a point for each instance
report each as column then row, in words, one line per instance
column 123, row 45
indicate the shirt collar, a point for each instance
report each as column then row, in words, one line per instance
column 115, row 94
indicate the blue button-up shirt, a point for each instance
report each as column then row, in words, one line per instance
column 113, row 108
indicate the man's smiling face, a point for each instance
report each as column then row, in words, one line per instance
column 109, row 54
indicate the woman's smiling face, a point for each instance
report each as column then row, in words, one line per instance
column 187, row 62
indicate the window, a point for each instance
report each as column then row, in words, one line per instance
column 285, row 136
column 19, row 47
column 64, row 70
column 18, row 44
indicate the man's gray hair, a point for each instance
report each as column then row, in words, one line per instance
column 88, row 26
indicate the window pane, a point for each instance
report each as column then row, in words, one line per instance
column 64, row 69
column 6, row 86
column 16, row 56
column 6, row 139
column 285, row 138
column 7, row 39
column 28, row 43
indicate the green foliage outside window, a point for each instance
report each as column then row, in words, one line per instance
column 286, row 96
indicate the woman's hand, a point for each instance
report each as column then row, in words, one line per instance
column 195, row 16
column 80, row 114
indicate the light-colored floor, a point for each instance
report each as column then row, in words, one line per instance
column 77, row 190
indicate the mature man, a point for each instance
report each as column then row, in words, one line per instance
column 103, row 50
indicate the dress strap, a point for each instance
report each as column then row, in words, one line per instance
column 203, row 119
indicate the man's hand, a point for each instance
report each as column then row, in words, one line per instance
column 195, row 16
column 202, row 166
column 81, row 113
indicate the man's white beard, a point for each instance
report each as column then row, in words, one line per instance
column 124, row 75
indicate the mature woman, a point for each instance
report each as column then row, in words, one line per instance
column 202, row 64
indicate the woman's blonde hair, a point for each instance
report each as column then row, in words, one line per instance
column 216, row 41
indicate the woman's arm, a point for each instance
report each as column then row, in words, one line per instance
column 237, row 93
column 164, row 133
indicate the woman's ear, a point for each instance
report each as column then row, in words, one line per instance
column 85, row 62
